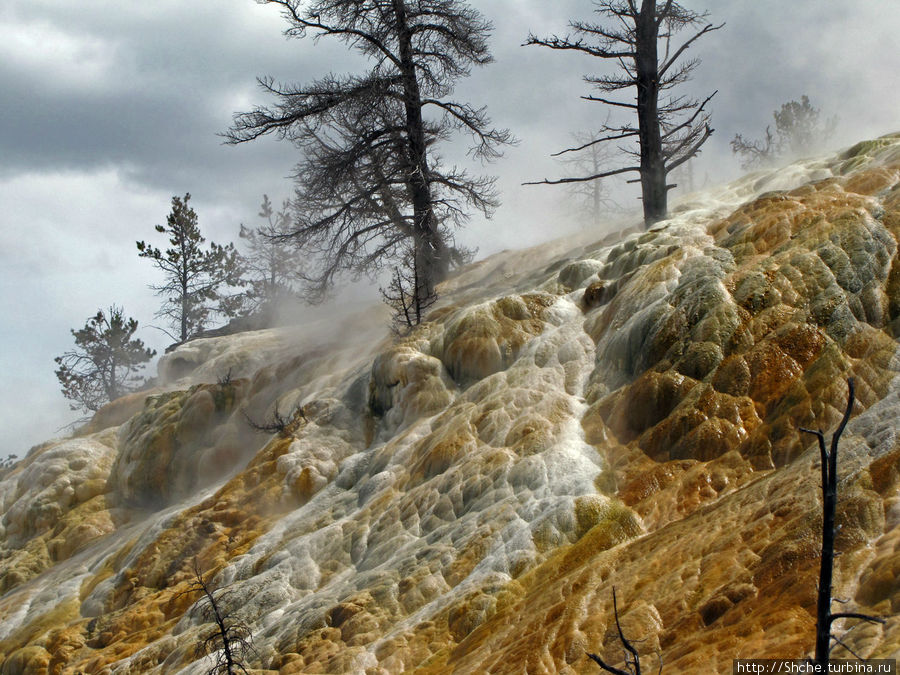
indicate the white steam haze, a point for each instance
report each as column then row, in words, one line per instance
column 108, row 109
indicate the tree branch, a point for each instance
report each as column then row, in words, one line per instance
column 566, row 43
column 627, row 134
column 706, row 29
column 595, row 176
column 619, row 104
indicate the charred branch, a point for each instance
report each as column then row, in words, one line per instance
column 231, row 641
column 284, row 426
column 632, row 658
column 824, row 616
column 582, row 179
column 625, row 134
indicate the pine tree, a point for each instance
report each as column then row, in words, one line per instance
column 269, row 262
column 195, row 278
column 797, row 132
column 105, row 362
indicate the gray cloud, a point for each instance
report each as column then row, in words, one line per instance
column 110, row 108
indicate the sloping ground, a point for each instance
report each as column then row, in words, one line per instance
column 464, row 499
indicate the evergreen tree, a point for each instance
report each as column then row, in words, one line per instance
column 104, row 364
column 195, row 278
column 798, row 131
column 269, row 262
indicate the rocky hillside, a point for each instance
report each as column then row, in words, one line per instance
column 571, row 419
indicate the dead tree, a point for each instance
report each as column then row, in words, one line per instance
column 231, row 640
column 403, row 297
column 668, row 132
column 755, row 153
column 592, row 198
column 284, row 426
column 632, row 659
column 370, row 185
column 824, row 616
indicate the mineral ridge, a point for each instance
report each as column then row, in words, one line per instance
column 570, row 419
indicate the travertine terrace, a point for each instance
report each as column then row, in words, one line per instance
column 463, row 499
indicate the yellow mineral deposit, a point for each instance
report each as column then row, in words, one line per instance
column 464, row 499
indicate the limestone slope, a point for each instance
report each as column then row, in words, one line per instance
column 571, row 419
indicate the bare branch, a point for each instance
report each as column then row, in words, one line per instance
column 231, row 640
column 689, row 121
column 618, row 104
column 567, row 43
column 633, row 662
column 279, row 424
column 678, row 52
column 633, row 132
column 603, row 174
column 692, row 152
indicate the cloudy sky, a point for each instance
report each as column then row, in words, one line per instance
column 109, row 108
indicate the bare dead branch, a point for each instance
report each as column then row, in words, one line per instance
column 595, row 141
column 284, row 426
column 667, row 64
column 231, row 641
column 618, row 104
column 566, row 43
column 632, row 659
column 603, row 174
column 824, row 616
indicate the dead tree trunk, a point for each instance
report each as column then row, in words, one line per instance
column 369, row 189
column 632, row 658
column 653, row 168
column 824, row 616
column 429, row 254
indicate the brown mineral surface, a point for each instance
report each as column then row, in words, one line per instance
column 464, row 499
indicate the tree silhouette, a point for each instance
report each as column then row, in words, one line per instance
column 668, row 132
column 592, row 198
column 269, row 263
column 278, row 423
column 825, row 639
column 404, row 296
column 371, row 186
column 230, row 641
column 105, row 362
column 194, row 277
column 797, row 131
column 632, row 658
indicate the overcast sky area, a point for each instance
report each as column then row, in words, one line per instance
column 110, row 108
